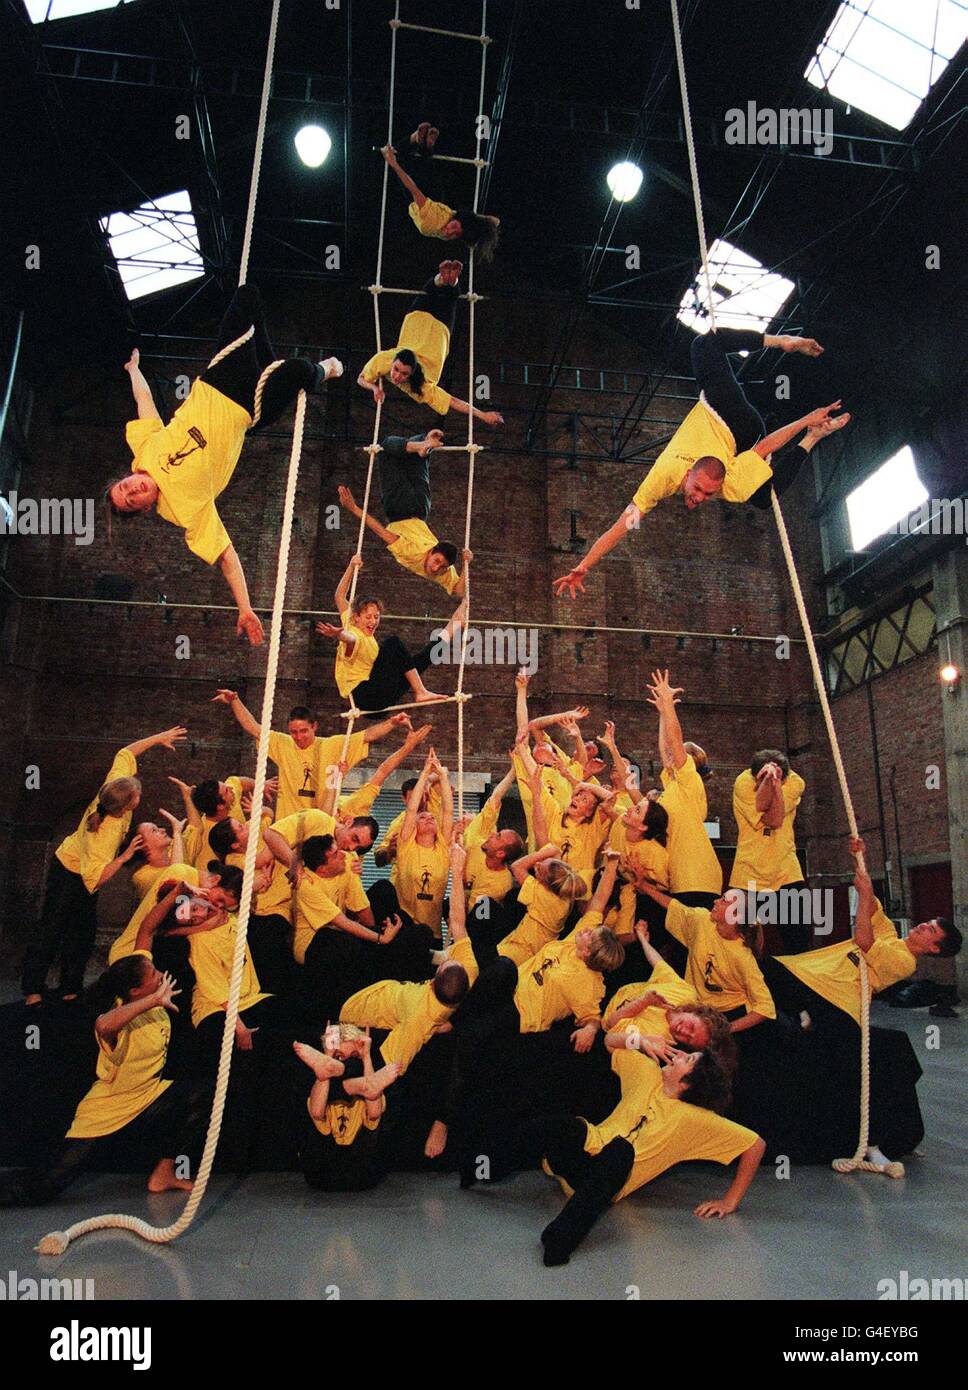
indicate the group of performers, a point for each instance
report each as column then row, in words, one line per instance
column 560, row 980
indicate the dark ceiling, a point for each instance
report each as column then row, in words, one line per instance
column 91, row 113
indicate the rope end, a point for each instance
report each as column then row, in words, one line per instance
column 55, row 1243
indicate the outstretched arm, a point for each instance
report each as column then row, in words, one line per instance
column 348, row 501
column 390, row 155
column 489, row 417
column 493, row 802
column 574, row 580
column 457, row 916
column 342, row 594
column 606, row 882
column 243, row 715
column 663, row 695
column 249, row 624
column 166, row 739
column 818, row 423
column 745, row 1173
column 140, row 388
column 521, row 702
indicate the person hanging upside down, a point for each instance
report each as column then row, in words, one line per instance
column 721, row 448
column 415, row 364
column 374, row 675
column 437, row 219
column 179, row 469
column 404, row 466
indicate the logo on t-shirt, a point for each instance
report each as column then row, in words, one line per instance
column 425, row 894
column 548, row 963
column 175, row 460
column 643, row 1120
column 707, row 982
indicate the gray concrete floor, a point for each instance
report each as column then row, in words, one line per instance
column 814, row 1235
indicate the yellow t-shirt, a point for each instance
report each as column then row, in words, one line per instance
column 413, row 539
column 343, row 1119
column 431, row 219
column 198, row 850
column 319, row 900
column 765, row 859
column 422, row 873
column 578, row 841
column 540, row 925
column 295, row 830
column 552, row 781
column 210, row 955
column 662, row 1131
column 124, row 945
column 702, row 434
column 129, row 1077
column 555, row 983
column 651, row 858
column 192, row 460
column 144, row 879
column 653, row 1021
column 723, row 973
column 833, row 972
column 303, row 771
column 693, row 866
column 388, row 1003
column 360, row 802
column 429, row 340
column 479, row 880
column 89, row 852
column 351, row 670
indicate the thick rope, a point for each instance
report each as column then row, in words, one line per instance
column 471, row 447
column 859, row 1160
column 259, row 142
column 56, row 1242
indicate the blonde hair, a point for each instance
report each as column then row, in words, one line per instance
column 606, row 952
column 113, row 799
column 563, row 880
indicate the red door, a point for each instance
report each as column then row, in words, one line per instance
column 931, row 892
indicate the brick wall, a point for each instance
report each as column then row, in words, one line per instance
column 81, row 679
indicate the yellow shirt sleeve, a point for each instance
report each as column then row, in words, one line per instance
column 432, row 218
column 744, row 475
column 360, row 802
column 759, row 998
column 683, row 922
column 137, row 431
column 378, row 365
column 663, row 480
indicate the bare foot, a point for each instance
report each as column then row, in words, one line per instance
column 436, row 1140
column 375, row 1085
column 34, row 999
column 323, row 1068
column 419, row 136
column 164, row 1179
column 432, row 136
column 449, row 272
column 427, row 697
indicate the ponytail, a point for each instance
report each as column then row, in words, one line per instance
column 113, row 799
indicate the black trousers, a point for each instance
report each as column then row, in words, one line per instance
column 270, row 1016
column 404, row 480
column 269, row 939
column 408, row 955
column 388, row 681
column 595, row 1180
column 438, row 300
column 67, row 929
column 714, row 375
column 791, row 995
column 784, row 905
column 177, row 1122
column 236, row 376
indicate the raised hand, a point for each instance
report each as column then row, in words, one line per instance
column 165, row 992
column 347, row 500
column 329, row 630
column 133, row 361
column 224, row 697
column 391, row 928
column 662, row 691
column 132, row 849
column 573, row 582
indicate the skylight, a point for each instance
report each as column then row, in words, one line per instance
column 39, row 10
column 891, row 492
column 156, row 246
column 884, row 56
column 745, row 294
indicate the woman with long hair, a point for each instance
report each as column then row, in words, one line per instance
column 82, row 864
